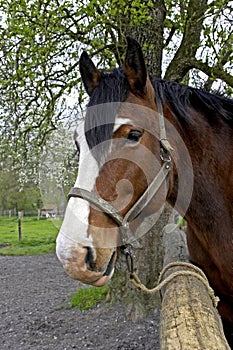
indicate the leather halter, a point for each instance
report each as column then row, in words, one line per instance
column 126, row 236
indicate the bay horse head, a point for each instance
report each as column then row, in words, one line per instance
column 123, row 148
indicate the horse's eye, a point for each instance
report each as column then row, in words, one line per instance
column 134, row 136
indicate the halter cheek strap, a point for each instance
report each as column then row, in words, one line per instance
column 135, row 210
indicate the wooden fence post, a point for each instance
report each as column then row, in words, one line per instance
column 189, row 319
column 20, row 215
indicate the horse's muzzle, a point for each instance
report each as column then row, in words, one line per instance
column 77, row 264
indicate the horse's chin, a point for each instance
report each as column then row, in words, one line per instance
column 78, row 271
column 103, row 280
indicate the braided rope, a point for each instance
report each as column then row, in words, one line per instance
column 198, row 273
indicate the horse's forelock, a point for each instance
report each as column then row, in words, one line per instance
column 102, row 110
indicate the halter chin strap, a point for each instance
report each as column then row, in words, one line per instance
column 127, row 237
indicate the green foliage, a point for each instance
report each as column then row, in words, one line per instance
column 38, row 236
column 41, row 43
column 86, row 298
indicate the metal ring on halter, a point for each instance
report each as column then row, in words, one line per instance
column 127, row 251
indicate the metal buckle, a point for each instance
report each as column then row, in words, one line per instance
column 165, row 155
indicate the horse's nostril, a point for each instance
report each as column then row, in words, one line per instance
column 89, row 260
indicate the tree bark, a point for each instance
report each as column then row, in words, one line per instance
column 188, row 318
column 150, row 36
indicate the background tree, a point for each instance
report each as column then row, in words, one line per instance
column 57, row 170
column 186, row 41
column 14, row 196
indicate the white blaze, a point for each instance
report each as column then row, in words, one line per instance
column 75, row 224
column 74, row 229
column 121, row 121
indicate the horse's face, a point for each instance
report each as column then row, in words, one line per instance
column 117, row 162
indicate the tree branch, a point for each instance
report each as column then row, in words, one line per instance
column 224, row 57
column 180, row 64
column 171, row 33
column 216, row 72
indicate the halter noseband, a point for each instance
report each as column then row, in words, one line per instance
column 123, row 222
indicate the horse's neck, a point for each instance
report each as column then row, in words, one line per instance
column 211, row 152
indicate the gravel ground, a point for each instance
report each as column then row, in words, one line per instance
column 33, row 293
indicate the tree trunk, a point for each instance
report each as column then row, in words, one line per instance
column 148, row 264
column 150, row 36
column 189, row 320
column 149, row 259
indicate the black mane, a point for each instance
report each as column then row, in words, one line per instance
column 113, row 87
column 180, row 97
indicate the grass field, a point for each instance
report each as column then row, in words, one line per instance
column 38, row 236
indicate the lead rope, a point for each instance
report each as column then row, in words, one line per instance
column 198, row 273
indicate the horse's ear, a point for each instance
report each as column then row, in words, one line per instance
column 135, row 68
column 89, row 73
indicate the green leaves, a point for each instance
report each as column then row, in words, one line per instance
column 42, row 41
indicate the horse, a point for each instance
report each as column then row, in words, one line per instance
column 145, row 141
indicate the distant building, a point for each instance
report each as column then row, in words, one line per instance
column 48, row 211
